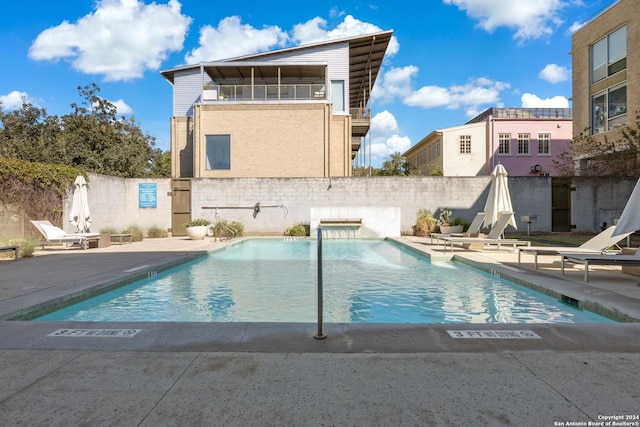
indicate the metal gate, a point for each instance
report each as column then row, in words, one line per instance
column 180, row 205
column 561, row 204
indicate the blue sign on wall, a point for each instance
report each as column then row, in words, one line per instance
column 147, row 195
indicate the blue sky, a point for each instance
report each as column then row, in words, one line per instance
column 449, row 59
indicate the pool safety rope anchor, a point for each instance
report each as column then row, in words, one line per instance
column 320, row 335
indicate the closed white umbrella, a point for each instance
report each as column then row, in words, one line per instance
column 630, row 219
column 80, row 216
column 499, row 199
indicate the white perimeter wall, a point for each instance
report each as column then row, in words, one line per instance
column 383, row 201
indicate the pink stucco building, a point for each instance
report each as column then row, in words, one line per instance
column 525, row 140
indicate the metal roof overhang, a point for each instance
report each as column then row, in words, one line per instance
column 366, row 54
column 241, row 70
column 365, row 59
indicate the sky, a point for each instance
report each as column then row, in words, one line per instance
column 448, row 61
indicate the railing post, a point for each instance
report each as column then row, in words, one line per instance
column 320, row 335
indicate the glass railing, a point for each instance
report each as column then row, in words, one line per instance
column 266, row 92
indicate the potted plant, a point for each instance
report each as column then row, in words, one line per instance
column 197, row 228
column 444, row 221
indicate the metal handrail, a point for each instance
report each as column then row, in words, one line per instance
column 320, row 334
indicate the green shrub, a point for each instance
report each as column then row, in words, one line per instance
column 156, row 232
column 223, row 228
column 296, row 230
column 108, row 230
column 238, row 227
column 26, row 248
column 197, row 222
column 425, row 223
column 136, row 233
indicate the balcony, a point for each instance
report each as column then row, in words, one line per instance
column 360, row 122
column 264, row 92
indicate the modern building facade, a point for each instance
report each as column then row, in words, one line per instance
column 606, row 76
column 297, row 112
column 526, row 141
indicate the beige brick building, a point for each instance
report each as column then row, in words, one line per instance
column 298, row 112
column 606, row 76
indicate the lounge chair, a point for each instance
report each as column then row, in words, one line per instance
column 492, row 238
column 599, row 243
column 598, row 259
column 53, row 234
column 474, row 227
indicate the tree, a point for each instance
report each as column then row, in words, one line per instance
column 397, row 166
column 603, row 156
column 91, row 138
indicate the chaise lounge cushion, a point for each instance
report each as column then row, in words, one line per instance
column 52, row 232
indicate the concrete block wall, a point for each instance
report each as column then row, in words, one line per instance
column 113, row 203
column 286, row 202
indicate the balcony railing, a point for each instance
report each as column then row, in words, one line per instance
column 525, row 113
column 265, row 92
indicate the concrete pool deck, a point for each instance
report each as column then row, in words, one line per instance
column 277, row 374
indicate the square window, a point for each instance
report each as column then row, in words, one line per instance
column 218, row 152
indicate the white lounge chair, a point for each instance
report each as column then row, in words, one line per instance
column 474, row 227
column 598, row 259
column 599, row 243
column 492, row 238
column 53, row 234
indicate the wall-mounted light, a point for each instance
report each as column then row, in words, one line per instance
column 559, row 125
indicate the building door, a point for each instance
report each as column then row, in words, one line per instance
column 180, row 205
column 560, row 204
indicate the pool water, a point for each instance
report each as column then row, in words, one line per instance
column 273, row 280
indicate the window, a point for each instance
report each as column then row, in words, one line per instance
column 609, row 55
column 422, row 157
column 337, row 95
column 504, row 143
column 218, row 149
column 544, row 143
column 523, row 143
column 465, row 144
column 435, row 150
column 609, row 109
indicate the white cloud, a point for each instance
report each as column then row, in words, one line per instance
column 14, row 100
column 471, row 96
column 232, row 38
column 384, row 123
column 531, row 19
column 121, row 39
column 554, row 73
column 530, row 100
column 121, row 107
column 385, row 138
column 335, row 12
column 575, row 27
column 393, row 83
column 315, row 30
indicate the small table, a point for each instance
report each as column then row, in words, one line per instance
column 122, row 238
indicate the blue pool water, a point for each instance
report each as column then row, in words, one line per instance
column 268, row 280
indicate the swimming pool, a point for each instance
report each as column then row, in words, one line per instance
column 273, row 280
